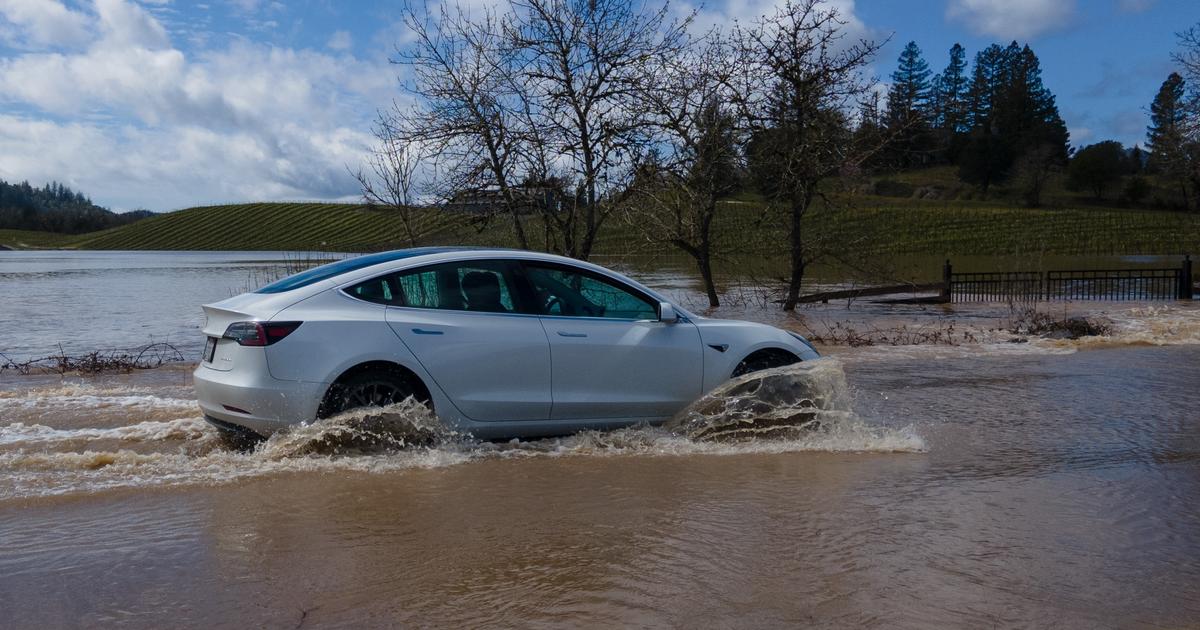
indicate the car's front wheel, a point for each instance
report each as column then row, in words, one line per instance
column 368, row 389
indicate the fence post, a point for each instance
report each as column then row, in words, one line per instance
column 1185, row 278
column 946, row 270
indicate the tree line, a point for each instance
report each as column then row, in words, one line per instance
column 56, row 208
column 615, row 111
column 996, row 121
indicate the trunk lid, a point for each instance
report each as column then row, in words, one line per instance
column 224, row 354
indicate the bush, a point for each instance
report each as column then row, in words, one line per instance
column 1136, row 190
column 890, row 188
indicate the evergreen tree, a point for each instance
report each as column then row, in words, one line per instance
column 950, row 93
column 55, row 208
column 985, row 158
column 1137, row 160
column 907, row 115
column 1011, row 115
column 1165, row 138
column 1028, row 114
column 987, row 77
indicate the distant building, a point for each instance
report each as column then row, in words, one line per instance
column 529, row 199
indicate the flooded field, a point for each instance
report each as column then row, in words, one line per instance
column 989, row 479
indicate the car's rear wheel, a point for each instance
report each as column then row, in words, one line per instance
column 368, row 389
column 764, row 360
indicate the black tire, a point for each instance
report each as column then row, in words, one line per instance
column 368, row 389
column 764, row 360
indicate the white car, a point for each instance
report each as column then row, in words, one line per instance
column 500, row 343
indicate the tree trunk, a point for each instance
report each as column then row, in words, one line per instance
column 522, row 242
column 704, row 252
column 799, row 206
column 704, row 261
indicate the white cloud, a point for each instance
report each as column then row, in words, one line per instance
column 340, row 40
column 148, row 125
column 46, row 22
column 722, row 12
column 126, row 24
column 1012, row 19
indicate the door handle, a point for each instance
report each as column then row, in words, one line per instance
column 563, row 333
column 422, row 331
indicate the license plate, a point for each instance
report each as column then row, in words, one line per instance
column 210, row 348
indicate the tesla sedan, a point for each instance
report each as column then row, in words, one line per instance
column 498, row 343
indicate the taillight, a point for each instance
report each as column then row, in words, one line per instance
column 259, row 333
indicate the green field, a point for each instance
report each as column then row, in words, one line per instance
column 24, row 239
column 867, row 225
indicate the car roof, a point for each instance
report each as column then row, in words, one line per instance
column 350, row 270
column 354, row 263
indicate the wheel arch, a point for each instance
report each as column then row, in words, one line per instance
column 769, row 357
column 380, row 365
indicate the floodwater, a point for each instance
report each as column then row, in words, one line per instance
column 1049, row 483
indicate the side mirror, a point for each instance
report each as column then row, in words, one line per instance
column 666, row 313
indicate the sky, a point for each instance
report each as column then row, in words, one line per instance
column 165, row 104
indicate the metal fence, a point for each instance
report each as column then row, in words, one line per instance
column 1090, row 284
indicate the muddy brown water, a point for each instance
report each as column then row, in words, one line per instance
column 1050, row 483
column 1041, row 487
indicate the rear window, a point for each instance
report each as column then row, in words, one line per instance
column 325, row 272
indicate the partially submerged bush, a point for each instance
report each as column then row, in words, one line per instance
column 99, row 361
column 1040, row 324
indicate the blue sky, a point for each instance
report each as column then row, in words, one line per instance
column 163, row 104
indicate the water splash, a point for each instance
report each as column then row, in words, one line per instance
column 781, row 402
column 403, row 425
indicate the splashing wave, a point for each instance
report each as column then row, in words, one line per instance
column 805, row 407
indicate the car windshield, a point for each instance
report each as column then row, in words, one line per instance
column 324, row 272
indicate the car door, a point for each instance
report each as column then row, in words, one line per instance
column 610, row 356
column 463, row 322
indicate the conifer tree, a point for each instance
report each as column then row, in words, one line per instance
column 1165, row 137
column 1011, row 115
column 908, row 108
column 948, row 103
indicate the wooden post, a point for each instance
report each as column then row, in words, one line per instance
column 946, row 271
column 1185, row 278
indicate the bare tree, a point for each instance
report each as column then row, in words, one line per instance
column 800, row 81
column 389, row 179
column 1188, row 57
column 676, row 193
column 582, row 62
column 467, row 115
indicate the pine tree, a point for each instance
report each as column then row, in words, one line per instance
column 907, row 117
column 950, row 94
column 985, row 158
column 1028, row 116
column 1165, row 137
column 1011, row 115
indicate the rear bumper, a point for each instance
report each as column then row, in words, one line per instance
column 257, row 402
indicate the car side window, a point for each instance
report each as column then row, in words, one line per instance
column 380, row 290
column 561, row 291
column 473, row 285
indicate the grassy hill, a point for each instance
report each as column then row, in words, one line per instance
column 28, row 239
column 871, row 225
